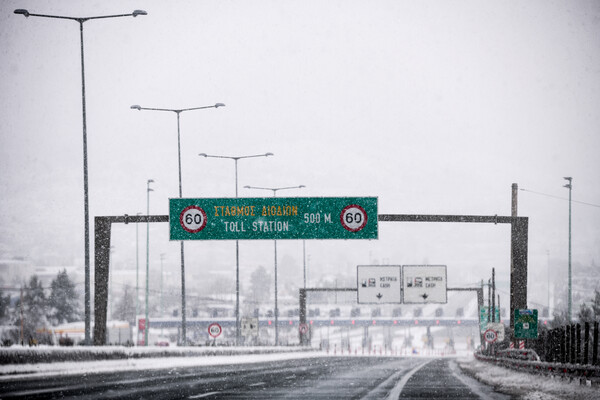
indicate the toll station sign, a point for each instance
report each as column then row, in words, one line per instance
column 424, row 284
column 378, row 284
column 255, row 218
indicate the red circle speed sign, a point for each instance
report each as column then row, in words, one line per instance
column 214, row 330
column 303, row 328
column 353, row 218
column 193, row 219
column 490, row 336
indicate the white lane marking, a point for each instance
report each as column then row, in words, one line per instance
column 473, row 385
column 397, row 390
column 198, row 396
column 258, row 384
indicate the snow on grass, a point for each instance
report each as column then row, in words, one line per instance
column 527, row 386
column 22, row 371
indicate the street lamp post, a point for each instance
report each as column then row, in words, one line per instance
column 570, row 187
column 162, row 311
column 177, row 112
column 276, row 311
column 137, row 279
column 147, row 322
column 237, row 245
column 135, row 13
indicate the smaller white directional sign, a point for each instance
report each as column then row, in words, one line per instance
column 424, row 284
column 250, row 327
column 379, row 284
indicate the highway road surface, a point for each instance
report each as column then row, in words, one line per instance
column 307, row 378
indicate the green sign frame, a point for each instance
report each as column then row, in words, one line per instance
column 483, row 317
column 273, row 218
column 526, row 324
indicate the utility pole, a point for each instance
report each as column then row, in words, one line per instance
column 493, row 294
column 489, row 301
column 147, row 322
column 22, row 339
column 570, row 300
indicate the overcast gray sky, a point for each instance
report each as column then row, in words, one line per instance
column 436, row 107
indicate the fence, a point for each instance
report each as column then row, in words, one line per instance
column 569, row 344
column 569, row 351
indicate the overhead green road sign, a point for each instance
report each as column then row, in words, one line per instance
column 255, row 218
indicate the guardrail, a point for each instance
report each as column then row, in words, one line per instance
column 568, row 371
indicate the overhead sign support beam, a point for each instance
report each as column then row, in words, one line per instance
column 102, row 230
column 518, row 239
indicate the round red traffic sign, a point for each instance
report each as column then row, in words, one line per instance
column 490, row 336
column 353, row 218
column 303, row 328
column 214, row 330
column 193, row 219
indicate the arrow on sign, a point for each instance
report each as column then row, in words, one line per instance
column 424, row 296
column 379, row 296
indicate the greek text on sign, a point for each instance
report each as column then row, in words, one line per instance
column 273, row 218
column 424, row 284
column 378, row 284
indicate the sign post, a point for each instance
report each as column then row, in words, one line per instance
column 273, row 218
column 214, row 330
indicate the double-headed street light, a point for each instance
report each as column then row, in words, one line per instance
column 179, row 111
column 237, row 246
column 135, row 13
column 276, row 312
column 570, row 187
column 147, row 323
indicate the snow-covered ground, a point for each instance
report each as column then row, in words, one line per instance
column 526, row 386
column 17, row 371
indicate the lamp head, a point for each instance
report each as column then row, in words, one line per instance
column 568, row 178
column 150, row 180
column 219, row 105
column 247, row 187
column 139, row 12
column 301, row 186
column 22, row 11
column 203, row 155
column 269, row 154
column 136, row 107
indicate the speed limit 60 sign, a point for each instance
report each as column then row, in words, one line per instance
column 490, row 336
column 214, row 330
column 273, row 218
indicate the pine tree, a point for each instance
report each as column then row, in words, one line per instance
column 596, row 305
column 585, row 314
column 4, row 305
column 64, row 300
column 560, row 318
column 34, row 310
